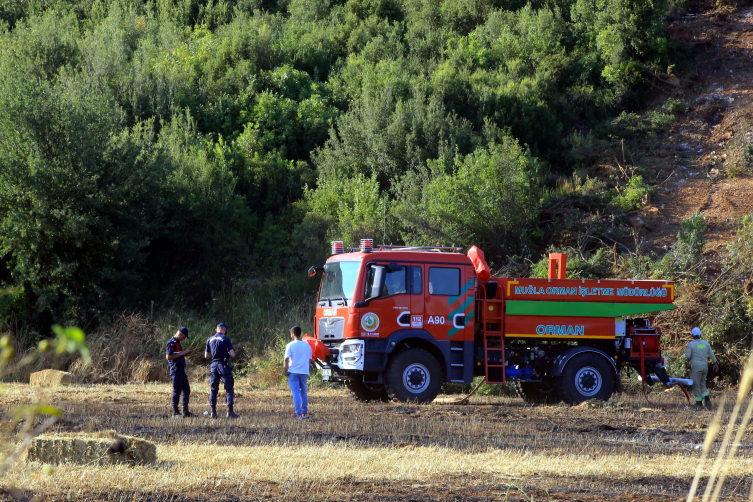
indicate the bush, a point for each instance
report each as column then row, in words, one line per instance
column 596, row 266
column 682, row 260
column 728, row 320
column 632, row 195
column 740, row 151
column 354, row 208
column 729, row 329
column 631, row 124
column 485, row 198
column 14, row 306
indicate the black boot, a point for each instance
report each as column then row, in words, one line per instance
column 176, row 411
column 230, row 412
column 186, row 413
column 699, row 404
column 707, row 401
column 214, row 412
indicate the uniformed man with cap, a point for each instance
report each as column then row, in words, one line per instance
column 698, row 353
column 176, row 358
column 220, row 349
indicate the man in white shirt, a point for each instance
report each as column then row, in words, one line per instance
column 297, row 358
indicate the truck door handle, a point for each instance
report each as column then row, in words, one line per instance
column 458, row 320
column 403, row 319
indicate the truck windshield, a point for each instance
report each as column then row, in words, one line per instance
column 339, row 280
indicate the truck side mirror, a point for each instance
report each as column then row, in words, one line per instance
column 313, row 270
column 377, row 285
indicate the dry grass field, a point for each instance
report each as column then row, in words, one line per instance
column 490, row 449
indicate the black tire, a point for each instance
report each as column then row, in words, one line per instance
column 538, row 392
column 586, row 376
column 413, row 375
column 367, row 393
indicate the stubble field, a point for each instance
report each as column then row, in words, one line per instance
column 491, row 449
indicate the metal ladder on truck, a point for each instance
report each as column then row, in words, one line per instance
column 492, row 319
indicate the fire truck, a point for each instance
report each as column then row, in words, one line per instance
column 397, row 322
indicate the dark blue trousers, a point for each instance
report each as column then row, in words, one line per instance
column 180, row 386
column 224, row 372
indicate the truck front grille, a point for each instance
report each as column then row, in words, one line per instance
column 331, row 328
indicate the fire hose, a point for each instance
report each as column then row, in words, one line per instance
column 464, row 400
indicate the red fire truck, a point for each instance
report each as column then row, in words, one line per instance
column 400, row 321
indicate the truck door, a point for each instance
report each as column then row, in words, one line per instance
column 446, row 301
column 388, row 310
column 448, row 309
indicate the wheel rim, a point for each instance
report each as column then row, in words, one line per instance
column 416, row 378
column 588, row 381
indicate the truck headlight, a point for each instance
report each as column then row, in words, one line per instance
column 352, row 349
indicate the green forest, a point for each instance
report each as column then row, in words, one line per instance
column 181, row 151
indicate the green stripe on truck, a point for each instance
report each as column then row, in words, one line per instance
column 582, row 309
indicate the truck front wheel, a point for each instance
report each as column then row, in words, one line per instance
column 413, row 375
column 586, row 376
column 366, row 392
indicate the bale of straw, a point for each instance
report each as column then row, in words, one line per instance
column 50, row 378
column 91, row 448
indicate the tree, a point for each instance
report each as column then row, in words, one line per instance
column 486, row 198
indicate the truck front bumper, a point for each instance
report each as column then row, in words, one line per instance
column 347, row 357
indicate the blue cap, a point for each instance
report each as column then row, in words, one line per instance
column 184, row 330
column 222, row 325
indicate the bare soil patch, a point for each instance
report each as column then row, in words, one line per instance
column 694, row 165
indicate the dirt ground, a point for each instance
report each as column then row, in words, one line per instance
column 693, row 161
column 494, row 448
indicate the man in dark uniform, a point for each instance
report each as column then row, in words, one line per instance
column 176, row 358
column 220, row 349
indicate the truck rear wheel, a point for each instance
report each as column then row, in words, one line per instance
column 586, row 376
column 413, row 375
column 538, row 392
column 367, row 392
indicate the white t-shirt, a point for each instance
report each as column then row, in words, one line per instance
column 299, row 353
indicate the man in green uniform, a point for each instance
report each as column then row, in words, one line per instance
column 698, row 353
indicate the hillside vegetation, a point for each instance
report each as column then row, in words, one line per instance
column 201, row 154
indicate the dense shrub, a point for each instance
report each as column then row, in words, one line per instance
column 486, row 197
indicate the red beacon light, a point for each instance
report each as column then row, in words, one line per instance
column 367, row 245
column 337, row 247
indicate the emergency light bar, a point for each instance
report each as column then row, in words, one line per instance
column 367, row 245
column 337, row 247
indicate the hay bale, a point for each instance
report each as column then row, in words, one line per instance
column 50, row 378
column 99, row 448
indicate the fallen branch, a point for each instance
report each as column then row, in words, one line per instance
column 618, row 243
